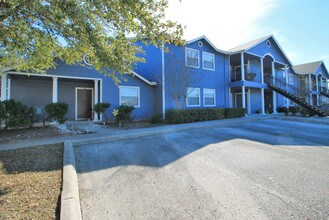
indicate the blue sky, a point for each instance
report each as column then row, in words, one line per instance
column 300, row 26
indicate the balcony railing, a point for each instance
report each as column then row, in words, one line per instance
column 248, row 75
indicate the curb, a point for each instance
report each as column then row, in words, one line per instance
column 70, row 201
column 165, row 130
column 306, row 120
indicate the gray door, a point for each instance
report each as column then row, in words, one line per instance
column 84, row 103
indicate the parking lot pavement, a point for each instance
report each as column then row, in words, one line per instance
column 266, row 169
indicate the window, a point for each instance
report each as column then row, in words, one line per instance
column 193, row 97
column 268, row 43
column 291, row 78
column 192, row 57
column 209, row 97
column 208, row 61
column 129, row 95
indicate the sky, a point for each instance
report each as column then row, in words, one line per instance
column 301, row 27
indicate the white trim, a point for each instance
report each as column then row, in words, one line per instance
column 50, row 75
column 187, row 48
column 142, row 78
column 270, row 55
column 214, row 60
column 193, row 88
column 163, row 85
column 253, row 54
column 55, row 90
column 4, row 77
column 8, row 87
column 204, row 102
column 131, row 87
column 235, row 99
column 76, row 101
column 248, row 102
column 209, row 42
column 96, row 101
column 101, row 95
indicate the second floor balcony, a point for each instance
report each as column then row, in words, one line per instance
column 248, row 75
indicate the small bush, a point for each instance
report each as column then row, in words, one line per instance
column 156, row 119
column 286, row 111
column 57, row 111
column 294, row 110
column 15, row 114
column 234, row 112
column 123, row 113
column 177, row 116
column 100, row 108
column 280, row 109
column 304, row 112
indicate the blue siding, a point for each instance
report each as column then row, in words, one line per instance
column 110, row 91
column 274, row 50
column 203, row 79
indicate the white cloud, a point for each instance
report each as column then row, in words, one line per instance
column 227, row 23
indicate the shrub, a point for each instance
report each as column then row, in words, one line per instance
column 234, row 112
column 286, row 111
column 304, row 112
column 100, row 108
column 123, row 113
column 156, row 119
column 177, row 116
column 57, row 111
column 280, row 109
column 15, row 114
column 294, row 109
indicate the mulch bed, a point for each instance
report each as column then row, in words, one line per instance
column 31, row 180
column 33, row 134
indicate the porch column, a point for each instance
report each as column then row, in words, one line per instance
column 242, row 67
column 262, row 70
column 229, row 98
column 287, row 82
column 317, row 90
column 96, row 97
column 310, row 88
column 263, row 100
column 4, row 77
column 274, row 93
column 55, row 89
column 243, row 97
column 248, row 101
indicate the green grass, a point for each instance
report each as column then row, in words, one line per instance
column 31, row 180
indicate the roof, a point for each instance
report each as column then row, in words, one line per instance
column 307, row 68
column 143, row 78
column 245, row 47
column 248, row 45
column 209, row 42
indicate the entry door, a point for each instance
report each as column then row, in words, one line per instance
column 84, row 103
column 238, row 100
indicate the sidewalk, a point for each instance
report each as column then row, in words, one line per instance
column 112, row 134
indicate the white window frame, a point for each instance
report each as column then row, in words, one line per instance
column 204, row 97
column 186, row 57
column 131, row 87
column 198, row 89
column 213, row 55
column 290, row 76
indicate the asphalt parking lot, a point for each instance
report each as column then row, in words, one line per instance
column 265, row 169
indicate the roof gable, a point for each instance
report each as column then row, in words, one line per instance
column 257, row 47
column 203, row 37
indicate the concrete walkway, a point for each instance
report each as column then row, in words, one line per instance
column 117, row 133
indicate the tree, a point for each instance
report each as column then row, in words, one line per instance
column 180, row 77
column 33, row 33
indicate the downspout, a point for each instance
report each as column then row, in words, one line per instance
column 163, row 85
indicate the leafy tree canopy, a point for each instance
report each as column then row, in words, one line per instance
column 34, row 32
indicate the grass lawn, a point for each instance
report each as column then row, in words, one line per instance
column 30, row 182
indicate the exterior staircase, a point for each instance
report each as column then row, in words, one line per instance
column 293, row 93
